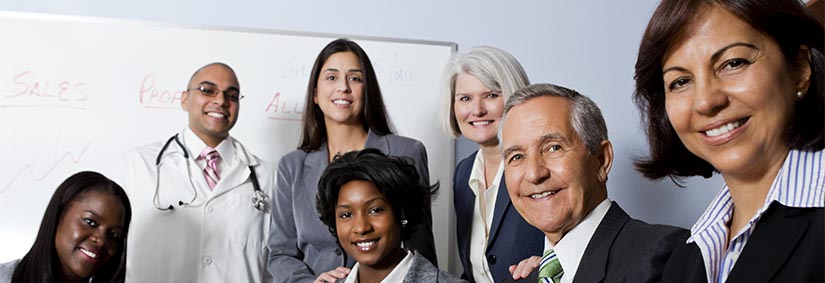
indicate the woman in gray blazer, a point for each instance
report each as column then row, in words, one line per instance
column 344, row 112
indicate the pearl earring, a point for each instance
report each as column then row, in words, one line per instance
column 799, row 94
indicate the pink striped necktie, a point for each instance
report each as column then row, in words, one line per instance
column 210, row 171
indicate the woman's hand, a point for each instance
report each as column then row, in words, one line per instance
column 333, row 275
column 524, row 267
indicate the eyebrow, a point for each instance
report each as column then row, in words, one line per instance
column 366, row 202
column 551, row 137
column 507, row 151
column 718, row 53
column 92, row 213
column 232, row 87
column 715, row 56
column 101, row 217
column 336, row 70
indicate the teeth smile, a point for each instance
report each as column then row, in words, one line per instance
column 544, row 194
column 341, row 102
column 365, row 244
column 88, row 253
column 480, row 123
column 723, row 129
column 216, row 115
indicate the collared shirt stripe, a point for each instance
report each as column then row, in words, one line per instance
column 799, row 183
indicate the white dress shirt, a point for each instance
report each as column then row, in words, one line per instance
column 570, row 248
column 226, row 151
column 483, row 211
column 799, row 183
column 396, row 275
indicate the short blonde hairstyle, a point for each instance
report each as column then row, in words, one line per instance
column 495, row 68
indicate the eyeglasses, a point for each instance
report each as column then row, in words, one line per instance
column 232, row 94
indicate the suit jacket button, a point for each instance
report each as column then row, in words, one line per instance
column 491, row 259
column 337, row 251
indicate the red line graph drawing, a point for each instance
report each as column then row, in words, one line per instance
column 74, row 158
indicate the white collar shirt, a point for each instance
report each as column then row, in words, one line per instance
column 799, row 183
column 396, row 275
column 226, row 151
column 483, row 210
column 570, row 248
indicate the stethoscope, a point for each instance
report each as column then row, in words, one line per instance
column 258, row 201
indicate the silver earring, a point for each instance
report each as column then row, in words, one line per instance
column 799, row 94
column 403, row 222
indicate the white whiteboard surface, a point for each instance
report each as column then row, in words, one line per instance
column 75, row 93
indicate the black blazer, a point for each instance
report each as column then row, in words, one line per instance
column 623, row 249
column 786, row 246
column 511, row 238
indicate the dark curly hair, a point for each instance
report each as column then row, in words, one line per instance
column 787, row 22
column 394, row 177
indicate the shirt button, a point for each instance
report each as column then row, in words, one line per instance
column 210, row 209
column 207, row 260
column 337, row 251
column 491, row 259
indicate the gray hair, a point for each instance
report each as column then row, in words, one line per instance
column 585, row 116
column 495, row 68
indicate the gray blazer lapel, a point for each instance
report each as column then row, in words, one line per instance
column 317, row 157
column 594, row 261
column 421, row 270
column 377, row 142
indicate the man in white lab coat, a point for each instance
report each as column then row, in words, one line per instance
column 201, row 200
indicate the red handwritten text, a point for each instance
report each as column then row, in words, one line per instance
column 33, row 92
column 283, row 110
column 153, row 97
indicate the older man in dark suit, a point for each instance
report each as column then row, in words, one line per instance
column 557, row 157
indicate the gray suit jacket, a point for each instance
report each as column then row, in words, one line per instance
column 7, row 270
column 301, row 246
column 422, row 271
column 624, row 249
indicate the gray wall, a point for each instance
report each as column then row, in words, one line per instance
column 586, row 45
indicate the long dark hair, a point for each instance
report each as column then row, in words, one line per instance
column 41, row 263
column 787, row 22
column 374, row 116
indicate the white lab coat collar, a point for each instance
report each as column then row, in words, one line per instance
column 229, row 148
column 233, row 175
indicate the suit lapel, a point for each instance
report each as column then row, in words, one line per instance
column 317, row 158
column 502, row 204
column 231, row 180
column 773, row 240
column 464, row 201
column 594, row 261
column 420, row 271
column 377, row 142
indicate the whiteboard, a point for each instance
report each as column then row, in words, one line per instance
column 77, row 92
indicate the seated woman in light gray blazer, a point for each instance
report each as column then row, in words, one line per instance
column 344, row 112
column 371, row 202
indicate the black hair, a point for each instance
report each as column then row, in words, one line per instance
column 394, row 177
column 41, row 263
